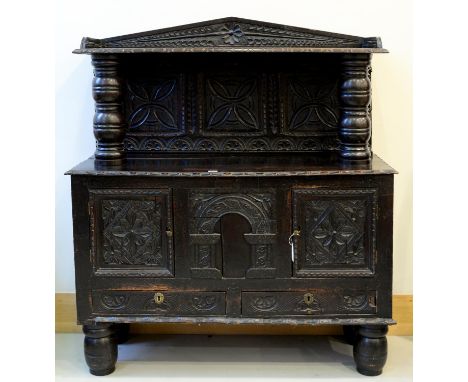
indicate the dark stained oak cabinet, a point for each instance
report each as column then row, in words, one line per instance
column 233, row 182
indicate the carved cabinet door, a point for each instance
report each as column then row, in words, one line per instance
column 131, row 232
column 233, row 233
column 337, row 231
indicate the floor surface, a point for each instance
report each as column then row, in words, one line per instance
column 179, row 358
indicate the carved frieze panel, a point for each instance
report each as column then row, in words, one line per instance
column 155, row 106
column 131, row 232
column 309, row 103
column 337, row 231
column 231, row 105
column 281, row 143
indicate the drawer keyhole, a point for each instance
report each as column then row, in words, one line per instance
column 158, row 298
column 308, row 298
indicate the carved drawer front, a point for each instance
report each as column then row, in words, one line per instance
column 186, row 303
column 310, row 303
column 337, row 230
column 132, row 232
column 232, row 234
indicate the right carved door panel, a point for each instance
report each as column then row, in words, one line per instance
column 337, row 232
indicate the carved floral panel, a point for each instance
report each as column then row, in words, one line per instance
column 132, row 232
column 337, row 231
column 129, row 235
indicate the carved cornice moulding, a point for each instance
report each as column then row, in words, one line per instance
column 232, row 34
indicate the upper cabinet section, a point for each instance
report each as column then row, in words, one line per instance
column 232, row 34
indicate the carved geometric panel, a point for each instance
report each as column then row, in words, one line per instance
column 337, row 231
column 187, row 303
column 155, row 106
column 310, row 104
column 310, row 302
column 131, row 232
column 231, row 105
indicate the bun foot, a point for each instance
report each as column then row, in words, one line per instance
column 370, row 349
column 100, row 348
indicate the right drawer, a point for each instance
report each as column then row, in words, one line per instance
column 310, row 302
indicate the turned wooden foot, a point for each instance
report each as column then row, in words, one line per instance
column 100, row 348
column 351, row 333
column 370, row 349
column 121, row 332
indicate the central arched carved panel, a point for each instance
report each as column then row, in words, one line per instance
column 208, row 208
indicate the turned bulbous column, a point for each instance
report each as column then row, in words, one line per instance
column 109, row 123
column 355, row 98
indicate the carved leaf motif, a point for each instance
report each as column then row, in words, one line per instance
column 245, row 116
column 138, row 91
column 164, row 116
column 139, row 116
column 326, row 115
column 163, row 91
column 220, row 115
column 355, row 302
column 204, row 303
column 300, row 117
column 114, row 302
column 265, row 303
column 219, row 90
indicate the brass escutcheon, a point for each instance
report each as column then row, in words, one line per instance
column 158, row 298
column 308, row 298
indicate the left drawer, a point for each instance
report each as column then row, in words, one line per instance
column 131, row 232
column 183, row 303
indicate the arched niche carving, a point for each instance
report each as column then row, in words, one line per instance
column 206, row 211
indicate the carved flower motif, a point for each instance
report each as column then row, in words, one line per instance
column 233, row 34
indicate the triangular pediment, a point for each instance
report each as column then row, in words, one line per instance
column 229, row 34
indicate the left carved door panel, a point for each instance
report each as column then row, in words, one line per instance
column 132, row 232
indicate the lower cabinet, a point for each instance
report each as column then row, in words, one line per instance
column 281, row 248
